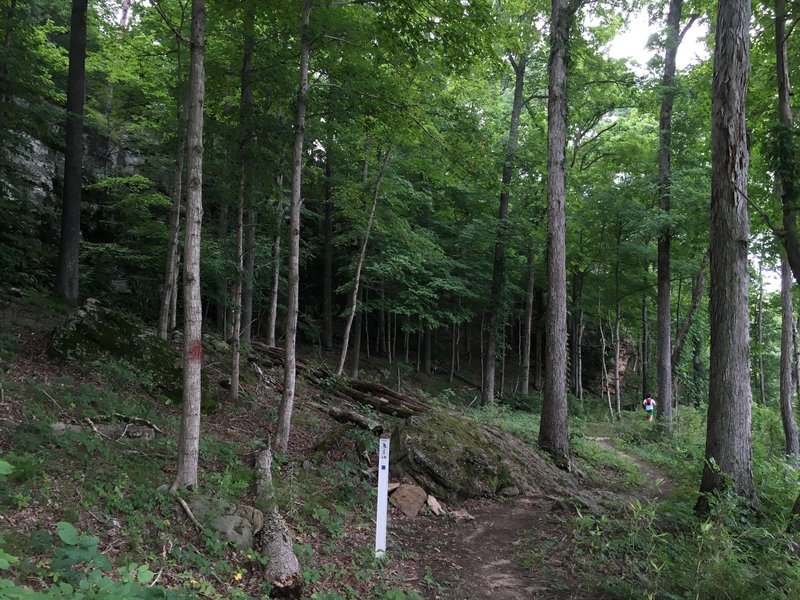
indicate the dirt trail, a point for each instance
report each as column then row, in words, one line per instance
column 658, row 485
column 515, row 550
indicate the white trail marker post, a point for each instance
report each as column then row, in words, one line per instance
column 383, row 498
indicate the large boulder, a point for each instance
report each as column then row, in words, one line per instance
column 456, row 459
column 93, row 332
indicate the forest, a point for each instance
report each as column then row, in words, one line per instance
column 241, row 242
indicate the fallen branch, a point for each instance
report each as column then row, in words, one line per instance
column 97, row 431
column 138, row 421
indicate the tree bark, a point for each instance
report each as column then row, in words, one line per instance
column 728, row 441
column 245, row 148
column 327, row 255
column 249, row 277
column 283, row 571
column 617, row 319
column 645, row 348
column 664, row 299
column 698, row 287
column 526, row 342
column 362, row 253
column 69, row 242
column 787, row 414
column 274, row 289
column 554, row 429
column 499, row 265
column 189, row 438
column 287, row 398
column 356, row 360
column 762, row 393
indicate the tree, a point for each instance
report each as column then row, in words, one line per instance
column 787, row 314
column 664, row 328
column 554, row 429
column 290, row 363
column 189, row 437
column 499, row 266
column 728, row 441
column 69, row 243
column 245, row 110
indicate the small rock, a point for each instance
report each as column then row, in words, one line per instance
column 255, row 516
column 434, row 505
column 510, row 491
column 164, row 487
column 409, row 499
column 393, row 486
column 462, row 515
column 235, row 529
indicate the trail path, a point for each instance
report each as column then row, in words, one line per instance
column 514, row 550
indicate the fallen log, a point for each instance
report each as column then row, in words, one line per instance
column 348, row 416
column 379, row 397
column 283, row 569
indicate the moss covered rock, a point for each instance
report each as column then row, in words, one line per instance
column 94, row 332
column 456, row 459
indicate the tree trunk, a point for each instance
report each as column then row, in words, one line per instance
column 576, row 323
column 69, row 243
column 273, row 295
column 356, row 360
column 617, row 318
column 796, row 345
column 222, row 286
column 787, row 414
column 327, row 255
column 664, row 298
column 283, row 571
column 249, row 277
column 728, row 441
column 526, row 342
column 189, row 438
column 762, row 393
column 605, row 371
column 170, row 291
column 554, row 429
column 289, row 376
column 499, row 265
column 698, row 287
column 645, row 348
column 245, row 148
column 362, row 253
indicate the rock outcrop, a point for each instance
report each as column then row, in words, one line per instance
column 94, row 332
column 456, row 459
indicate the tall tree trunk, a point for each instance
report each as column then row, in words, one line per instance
column 575, row 322
column 356, row 360
column 362, row 253
column 645, row 348
column 249, row 276
column 526, row 342
column 327, row 255
column 698, row 287
column 69, row 243
column 170, row 291
column 728, row 440
column 617, row 319
column 664, row 298
column 796, row 345
column 787, row 414
column 290, row 367
column 554, row 429
column 762, row 393
column 222, row 286
column 499, row 265
column 272, row 321
column 189, row 438
column 245, row 148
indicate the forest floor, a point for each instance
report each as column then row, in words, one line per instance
column 509, row 549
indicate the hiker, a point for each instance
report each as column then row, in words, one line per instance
column 649, row 407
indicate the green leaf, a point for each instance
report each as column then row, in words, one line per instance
column 145, row 575
column 6, row 468
column 67, row 533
